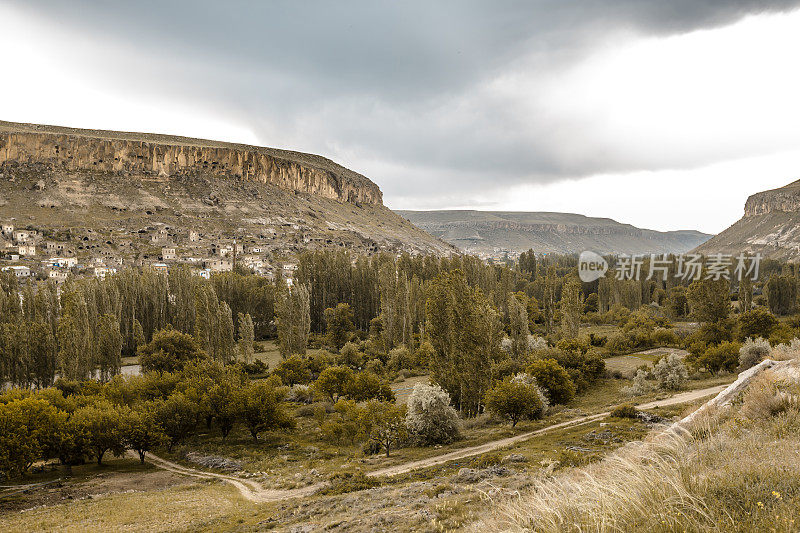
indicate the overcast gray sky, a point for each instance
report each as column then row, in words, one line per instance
column 663, row 114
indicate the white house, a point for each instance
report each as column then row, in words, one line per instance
column 27, row 249
column 18, row 270
column 168, row 253
column 21, row 236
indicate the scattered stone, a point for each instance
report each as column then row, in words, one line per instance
column 514, row 458
column 214, row 461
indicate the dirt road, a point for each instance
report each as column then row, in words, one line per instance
column 256, row 493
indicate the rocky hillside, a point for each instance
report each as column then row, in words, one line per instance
column 493, row 232
column 125, row 195
column 770, row 226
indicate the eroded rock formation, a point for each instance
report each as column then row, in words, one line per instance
column 147, row 155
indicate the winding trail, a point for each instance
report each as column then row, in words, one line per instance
column 254, row 492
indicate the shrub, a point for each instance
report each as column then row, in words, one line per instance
column 536, row 343
column 430, row 418
column 619, row 343
column 664, row 337
column 784, row 352
column 640, row 386
column 625, row 410
column 367, row 386
column 344, row 482
column 400, row 358
column 293, row 371
column 766, row 397
column 670, row 373
column 514, row 400
column 559, row 387
column 350, row 356
column 752, row 352
column 758, row 322
column 724, row 356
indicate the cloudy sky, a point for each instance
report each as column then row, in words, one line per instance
column 663, row 114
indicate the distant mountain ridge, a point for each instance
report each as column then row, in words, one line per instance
column 770, row 226
column 491, row 232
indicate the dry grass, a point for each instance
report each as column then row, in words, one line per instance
column 733, row 470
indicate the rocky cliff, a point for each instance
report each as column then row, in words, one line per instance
column 137, row 154
column 492, row 232
column 122, row 197
column 770, row 226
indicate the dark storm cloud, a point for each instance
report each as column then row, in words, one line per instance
column 374, row 84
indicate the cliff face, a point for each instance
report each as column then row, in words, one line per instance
column 491, row 232
column 785, row 199
column 770, row 226
column 166, row 157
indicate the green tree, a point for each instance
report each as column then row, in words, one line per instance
column 464, row 330
column 75, row 339
column 246, row 338
column 334, row 382
column 756, row 323
column 109, row 347
column 383, row 423
column 177, row 416
column 514, row 400
column 367, row 386
column 140, row 430
column 518, row 326
column 339, row 325
column 710, row 300
column 103, row 425
column 293, row 321
column 169, row 351
column 293, row 371
column 260, row 408
column 571, row 307
column 555, row 380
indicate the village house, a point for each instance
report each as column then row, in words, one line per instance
column 8, row 229
column 168, row 254
column 160, row 267
column 62, row 262
column 26, row 250
column 19, row 271
column 194, row 236
column 21, row 236
column 57, row 275
column 218, row 265
column 103, row 271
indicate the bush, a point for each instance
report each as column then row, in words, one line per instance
column 350, row 356
column 334, row 382
column 367, row 386
column 625, row 410
column 400, row 358
column 724, row 356
column 664, row 337
column 670, row 373
column 766, row 397
column 640, row 386
column 784, row 352
column 757, row 323
column 619, row 343
column 559, row 387
column 752, row 352
column 514, row 400
column 430, row 418
column 293, row 371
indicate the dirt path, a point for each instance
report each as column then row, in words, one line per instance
column 256, row 493
column 249, row 489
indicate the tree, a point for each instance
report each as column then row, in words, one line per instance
column 745, row 294
column 293, row 321
column 464, row 330
column 678, row 302
column 75, row 340
column 710, row 300
column 571, row 307
column 28, row 431
column 169, row 351
column 246, row 338
column 293, row 371
column 141, row 432
column 782, row 294
column 43, row 353
column 367, row 386
column 383, row 423
column 339, row 325
column 514, row 400
column 518, row 326
column 260, row 408
column 429, row 416
column 554, row 378
column 222, row 399
column 177, row 416
column 350, row 356
column 334, row 382
column 109, row 347
column 757, row 323
column 103, row 424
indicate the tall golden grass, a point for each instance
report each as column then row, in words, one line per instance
column 734, row 469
